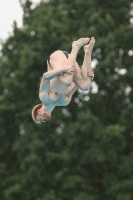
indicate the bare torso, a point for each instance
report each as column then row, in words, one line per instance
column 57, row 94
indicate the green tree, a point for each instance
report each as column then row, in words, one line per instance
column 86, row 151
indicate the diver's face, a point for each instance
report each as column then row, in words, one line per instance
column 43, row 117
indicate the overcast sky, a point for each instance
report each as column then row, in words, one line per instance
column 10, row 10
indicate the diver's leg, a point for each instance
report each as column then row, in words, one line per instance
column 76, row 45
column 82, row 77
column 58, row 59
column 87, row 59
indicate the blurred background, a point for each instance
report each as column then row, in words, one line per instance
column 86, row 151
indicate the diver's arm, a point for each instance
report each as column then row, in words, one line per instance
column 55, row 72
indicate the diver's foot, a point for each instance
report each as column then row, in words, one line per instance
column 79, row 43
column 88, row 48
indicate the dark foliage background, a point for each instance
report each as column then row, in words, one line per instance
column 86, row 151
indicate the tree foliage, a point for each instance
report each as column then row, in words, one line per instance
column 86, row 151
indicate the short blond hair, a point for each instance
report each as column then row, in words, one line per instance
column 34, row 113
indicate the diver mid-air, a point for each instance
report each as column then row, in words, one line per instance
column 63, row 78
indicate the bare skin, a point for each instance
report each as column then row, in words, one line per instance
column 64, row 76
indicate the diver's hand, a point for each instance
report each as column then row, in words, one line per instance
column 90, row 73
column 69, row 68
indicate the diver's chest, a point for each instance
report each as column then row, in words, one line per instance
column 63, row 101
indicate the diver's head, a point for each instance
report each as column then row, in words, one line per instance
column 39, row 115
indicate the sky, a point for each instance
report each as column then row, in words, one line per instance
column 10, row 10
